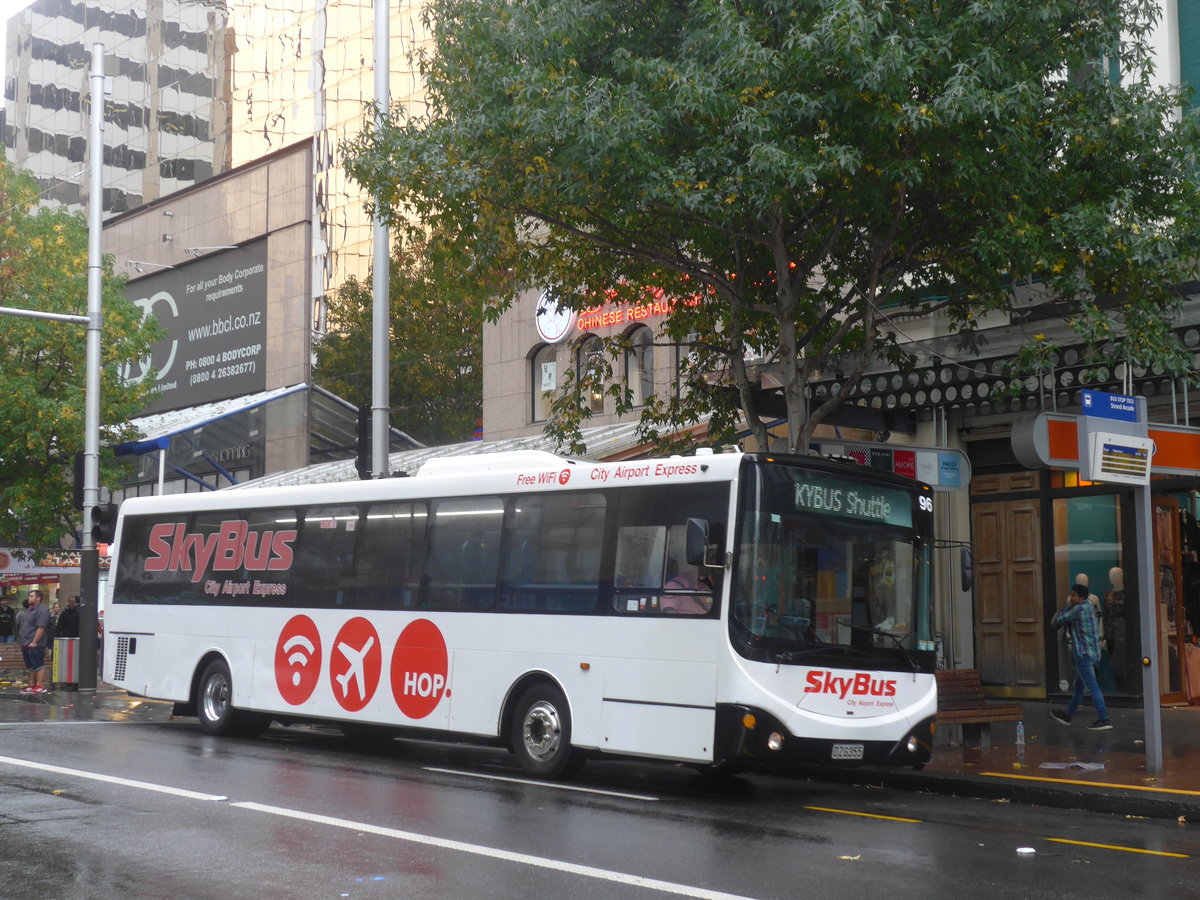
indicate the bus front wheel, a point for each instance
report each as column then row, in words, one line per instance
column 541, row 733
column 214, row 705
column 214, row 699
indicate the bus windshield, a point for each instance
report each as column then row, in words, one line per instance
column 831, row 567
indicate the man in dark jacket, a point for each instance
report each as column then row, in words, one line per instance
column 8, row 622
column 68, row 619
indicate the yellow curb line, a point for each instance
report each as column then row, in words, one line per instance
column 866, row 815
column 1118, row 847
column 1104, row 784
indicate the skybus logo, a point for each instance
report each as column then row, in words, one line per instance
column 231, row 548
column 859, row 685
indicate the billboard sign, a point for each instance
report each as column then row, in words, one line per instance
column 215, row 314
column 941, row 468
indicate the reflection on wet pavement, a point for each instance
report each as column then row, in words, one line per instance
column 106, row 704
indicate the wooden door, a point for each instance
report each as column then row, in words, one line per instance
column 1009, row 624
column 1168, row 592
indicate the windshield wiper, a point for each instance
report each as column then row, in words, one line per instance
column 840, row 649
column 872, row 629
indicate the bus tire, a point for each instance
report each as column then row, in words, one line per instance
column 214, row 700
column 541, row 733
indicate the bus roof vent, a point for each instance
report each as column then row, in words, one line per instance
column 472, row 463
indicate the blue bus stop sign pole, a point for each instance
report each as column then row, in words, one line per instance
column 1121, row 414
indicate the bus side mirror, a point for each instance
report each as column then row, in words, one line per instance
column 698, row 547
column 697, row 541
column 966, row 568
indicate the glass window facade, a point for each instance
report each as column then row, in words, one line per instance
column 591, row 356
column 543, row 381
column 1088, row 548
column 639, row 366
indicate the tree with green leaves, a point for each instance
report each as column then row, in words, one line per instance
column 435, row 382
column 44, row 268
column 802, row 170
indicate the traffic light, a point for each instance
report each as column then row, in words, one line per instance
column 104, row 522
column 362, row 461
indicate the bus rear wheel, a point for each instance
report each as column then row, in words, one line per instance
column 541, row 733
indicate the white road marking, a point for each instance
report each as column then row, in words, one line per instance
column 63, row 722
column 111, row 779
column 541, row 862
column 544, row 784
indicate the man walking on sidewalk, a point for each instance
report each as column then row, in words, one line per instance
column 35, row 635
column 1083, row 632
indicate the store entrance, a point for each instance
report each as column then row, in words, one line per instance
column 1177, row 598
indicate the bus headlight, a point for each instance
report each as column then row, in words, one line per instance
column 913, row 745
column 775, row 741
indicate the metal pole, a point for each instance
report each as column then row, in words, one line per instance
column 89, row 569
column 381, row 268
column 35, row 314
column 1144, row 527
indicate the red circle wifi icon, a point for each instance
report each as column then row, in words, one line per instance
column 355, row 663
column 298, row 660
column 419, row 669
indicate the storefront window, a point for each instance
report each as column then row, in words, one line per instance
column 1087, row 550
column 590, row 358
column 543, row 381
column 639, row 366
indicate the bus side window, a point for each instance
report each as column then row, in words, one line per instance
column 553, row 563
column 390, row 549
column 638, row 573
column 463, row 560
column 324, row 560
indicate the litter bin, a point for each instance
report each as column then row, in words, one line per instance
column 66, row 661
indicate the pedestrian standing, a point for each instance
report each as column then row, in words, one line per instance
column 8, row 622
column 1080, row 619
column 68, row 620
column 35, row 635
column 21, row 617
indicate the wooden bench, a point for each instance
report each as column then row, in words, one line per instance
column 961, row 702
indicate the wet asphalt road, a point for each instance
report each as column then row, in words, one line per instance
column 104, row 803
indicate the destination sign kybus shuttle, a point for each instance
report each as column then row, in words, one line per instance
column 736, row 610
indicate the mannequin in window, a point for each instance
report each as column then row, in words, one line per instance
column 1113, row 623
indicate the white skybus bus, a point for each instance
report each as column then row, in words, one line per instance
column 735, row 610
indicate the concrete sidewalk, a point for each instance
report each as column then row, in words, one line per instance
column 1064, row 766
column 1071, row 767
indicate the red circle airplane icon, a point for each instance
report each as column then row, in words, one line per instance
column 355, row 663
column 298, row 660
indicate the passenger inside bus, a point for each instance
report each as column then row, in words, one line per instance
column 685, row 591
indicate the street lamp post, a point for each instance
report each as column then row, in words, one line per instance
column 381, row 267
column 89, row 568
column 89, row 563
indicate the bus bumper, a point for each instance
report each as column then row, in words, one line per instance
column 749, row 738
